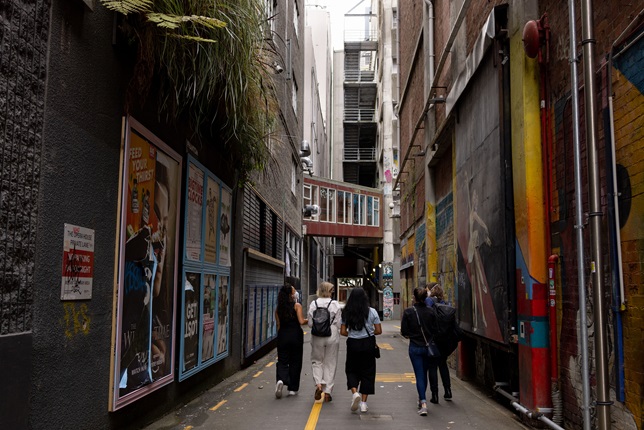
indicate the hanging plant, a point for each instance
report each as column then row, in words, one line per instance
column 208, row 62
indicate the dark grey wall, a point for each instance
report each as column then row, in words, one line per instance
column 86, row 85
column 79, row 185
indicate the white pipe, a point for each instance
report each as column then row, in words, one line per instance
column 618, row 236
column 530, row 414
column 581, row 277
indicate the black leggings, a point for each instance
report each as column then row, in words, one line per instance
column 290, row 348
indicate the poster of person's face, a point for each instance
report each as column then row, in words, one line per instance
column 225, row 228
column 192, row 292
column 208, row 336
column 212, row 214
column 222, row 313
column 146, row 287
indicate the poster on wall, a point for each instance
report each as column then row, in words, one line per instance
column 212, row 210
column 78, row 263
column 209, row 308
column 191, row 296
column 250, row 326
column 143, row 320
column 205, row 310
column 222, row 320
column 194, row 211
column 225, row 228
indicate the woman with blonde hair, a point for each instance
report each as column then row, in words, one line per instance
column 324, row 349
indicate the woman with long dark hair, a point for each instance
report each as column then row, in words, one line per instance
column 290, row 341
column 360, row 323
column 418, row 324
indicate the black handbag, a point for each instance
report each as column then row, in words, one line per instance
column 432, row 348
column 376, row 348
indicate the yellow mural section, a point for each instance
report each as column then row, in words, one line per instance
column 430, row 243
column 529, row 201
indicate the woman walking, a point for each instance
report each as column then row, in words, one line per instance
column 360, row 323
column 417, row 325
column 290, row 341
column 324, row 349
column 437, row 295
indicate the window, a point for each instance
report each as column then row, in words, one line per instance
column 306, row 194
column 293, row 176
column 296, row 18
column 327, row 204
column 340, row 207
column 270, row 7
column 369, row 210
column 294, row 96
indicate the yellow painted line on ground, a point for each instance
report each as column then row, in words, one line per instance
column 241, row 387
column 270, row 364
column 187, row 428
column 396, row 326
column 258, row 373
column 396, row 377
column 314, row 416
column 218, row 405
column 386, row 346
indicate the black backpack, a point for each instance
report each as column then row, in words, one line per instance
column 321, row 321
column 447, row 332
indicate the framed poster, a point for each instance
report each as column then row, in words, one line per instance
column 204, row 301
column 146, row 275
column 224, row 228
column 223, row 314
column 209, row 312
column 190, row 324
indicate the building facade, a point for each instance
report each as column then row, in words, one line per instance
column 488, row 196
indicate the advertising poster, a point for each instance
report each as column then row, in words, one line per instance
column 222, row 319
column 258, row 317
column 212, row 208
column 192, row 291
column 194, row 211
column 208, row 329
column 266, row 313
column 78, row 263
column 250, row 326
column 144, row 319
column 224, row 227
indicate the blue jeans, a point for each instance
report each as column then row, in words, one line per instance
column 424, row 367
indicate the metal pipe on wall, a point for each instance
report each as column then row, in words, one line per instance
column 581, row 276
column 603, row 402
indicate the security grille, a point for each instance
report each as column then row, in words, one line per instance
column 24, row 27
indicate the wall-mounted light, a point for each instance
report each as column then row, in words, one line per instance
column 310, row 210
column 276, row 66
column 437, row 100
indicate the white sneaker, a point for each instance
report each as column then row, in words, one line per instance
column 292, row 393
column 355, row 401
column 363, row 407
column 278, row 389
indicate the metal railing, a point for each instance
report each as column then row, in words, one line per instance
column 357, row 114
column 360, row 154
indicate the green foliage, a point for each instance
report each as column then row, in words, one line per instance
column 209, row 62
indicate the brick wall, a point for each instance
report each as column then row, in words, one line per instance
column 610, row 20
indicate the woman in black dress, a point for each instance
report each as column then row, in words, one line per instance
column 290, row 341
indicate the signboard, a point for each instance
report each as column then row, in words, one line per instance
column 143, row 323
column 78, row 263
column 205, row 311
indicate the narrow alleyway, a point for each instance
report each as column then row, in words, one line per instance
column 247, row 400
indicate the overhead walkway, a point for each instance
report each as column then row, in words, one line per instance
column 345, row 209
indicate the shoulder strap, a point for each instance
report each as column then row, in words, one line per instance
column 419, row 325
column 316, row 303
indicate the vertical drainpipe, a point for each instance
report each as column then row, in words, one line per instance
column 581, row 275
column 595, row 219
